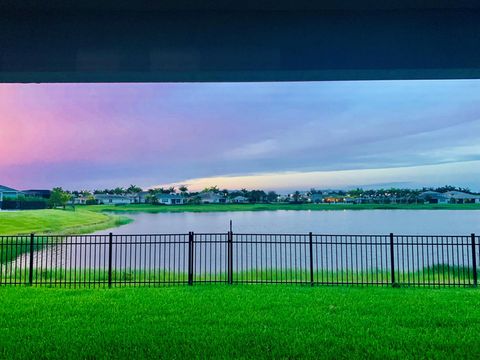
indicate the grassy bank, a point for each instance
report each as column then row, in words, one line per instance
column 272, row 207
column 57, row 221
column 239, row 322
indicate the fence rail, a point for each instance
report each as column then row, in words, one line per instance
column 231, row 258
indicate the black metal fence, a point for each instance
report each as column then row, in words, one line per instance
column 312, row 259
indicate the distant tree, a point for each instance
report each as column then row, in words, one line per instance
column 272, row 196
column 358, row 192
column 194, row 199
column 213, row 189
column 183, row 190
column 151, row 198
column 91, row 200
column 446, row 188
column 119, row 191
column 156, row 191
column 171, row 190
column 133, row 189
column 296, row 196
column 256, row 196
column 225, row 192
column 59, row 197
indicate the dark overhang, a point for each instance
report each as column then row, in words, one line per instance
column 186, row 40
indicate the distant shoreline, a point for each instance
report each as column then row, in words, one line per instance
column 146, row 208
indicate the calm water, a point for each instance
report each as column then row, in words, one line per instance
column 253, row 252
column 410, row 222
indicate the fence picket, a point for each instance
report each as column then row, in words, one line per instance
column 309, row 259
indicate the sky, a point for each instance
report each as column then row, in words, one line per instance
column 275, row 136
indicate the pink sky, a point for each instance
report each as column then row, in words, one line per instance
column 86, row 136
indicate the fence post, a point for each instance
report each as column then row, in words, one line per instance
column 310, row 238
column 30, row 273
column 190, row 258
column 110, row 246
column 392, row 261
column 474, row 261
column 230, row 257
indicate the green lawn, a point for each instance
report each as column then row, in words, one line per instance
column 440, row 275
column 56, row 221
column 272, row 207
column 221, row 321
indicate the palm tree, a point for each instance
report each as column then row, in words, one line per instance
column 133, row 189
column 296, row 196
column 119, row 191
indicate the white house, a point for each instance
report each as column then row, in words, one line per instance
column 140, row 198
column 239, row 200
column 459, row 197
column 434, row 197
column 6, row 192
column 212, row 198
column 108, row 199
column 78, row 200
column 170, row 199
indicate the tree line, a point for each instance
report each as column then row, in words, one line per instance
column 60, row 197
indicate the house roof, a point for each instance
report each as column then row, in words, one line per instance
column 432, row 194
column 7, row 189
column 110, row 196
column 37, row 191
column 461, row 195
column 169, row 196
column 210, row 195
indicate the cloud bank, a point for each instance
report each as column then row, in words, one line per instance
column 102, row 135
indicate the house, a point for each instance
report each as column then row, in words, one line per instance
column 78, row 200
column 239, row 200
column 361, row 200
column 458, row 197
column 7, row 193
column 113, row 199
column 334, row 199
column 316, row 198
column 140, row 198
column 44, row 194
column 170, row 199
column 433, row 197
column 212, row 198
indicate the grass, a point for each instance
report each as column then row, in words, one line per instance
column 272, row 207
column 439, row 275
column 239, row 322
column 61, row 222
column 58, row 222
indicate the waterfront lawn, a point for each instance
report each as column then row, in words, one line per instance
column 221, row 321
column 274, row 206
column 56, row 221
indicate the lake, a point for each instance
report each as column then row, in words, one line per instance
column 289, row 253
column 410, row 222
